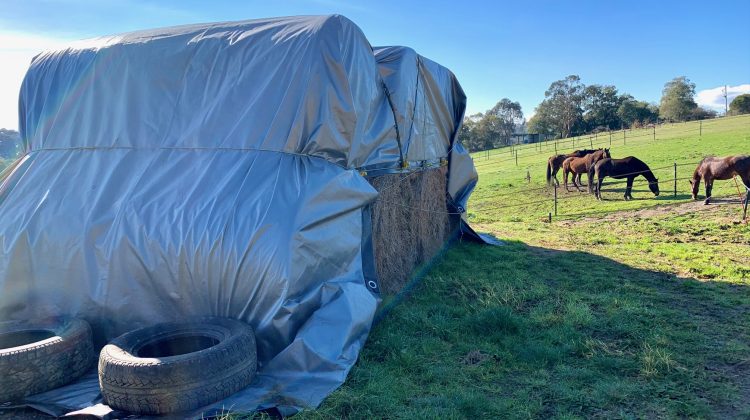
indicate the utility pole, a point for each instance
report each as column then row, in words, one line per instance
column 726, row 101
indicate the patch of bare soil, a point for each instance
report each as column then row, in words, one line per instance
column 663, row 210
column 740, row 375
column 476, row 357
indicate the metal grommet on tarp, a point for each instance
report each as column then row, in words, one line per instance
column 373, row 286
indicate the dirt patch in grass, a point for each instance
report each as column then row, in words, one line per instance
column 663, row 210
column 475, row 357
column 739, row 374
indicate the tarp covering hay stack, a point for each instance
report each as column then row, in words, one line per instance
column 222, row 170
column 416, row 213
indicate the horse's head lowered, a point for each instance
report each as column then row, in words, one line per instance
column 695, row 184
column 654, row 186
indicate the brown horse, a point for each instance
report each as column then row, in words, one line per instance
column 630, row 168
column 582, row 165
column 554, row 163
column 712, row 168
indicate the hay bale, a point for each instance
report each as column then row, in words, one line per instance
column 410, row 223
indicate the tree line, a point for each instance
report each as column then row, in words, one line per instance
column 10, row 147
column 571, row 108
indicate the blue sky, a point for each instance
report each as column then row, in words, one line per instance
column 496, row 49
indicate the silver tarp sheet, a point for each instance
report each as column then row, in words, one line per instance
column 216, row 169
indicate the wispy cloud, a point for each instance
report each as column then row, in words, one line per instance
column 714, row 98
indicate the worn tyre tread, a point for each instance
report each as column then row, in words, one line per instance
column 170, row 402
column 32, row 369
column 177, row 383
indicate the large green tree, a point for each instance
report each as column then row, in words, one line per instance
column 469, row 133
column 600, row 104
column 677, row 103
column 740, row 105
column 504, row 117
column 633, row 113
column 562, row 105
column 541, row 123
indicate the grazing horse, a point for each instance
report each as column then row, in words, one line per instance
column 629, row 167
column 554, row 163
column 581, row 165
column 712, row 168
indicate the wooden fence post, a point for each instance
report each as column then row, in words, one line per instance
column 675, row 179
column 591, row 142
column 654, row 132
column 610, row 139
column 623, row 138
column 555, row 199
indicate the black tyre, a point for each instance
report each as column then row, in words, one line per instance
column 39, row 356
column 173, row 367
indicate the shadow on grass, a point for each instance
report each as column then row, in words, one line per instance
column 521, row 331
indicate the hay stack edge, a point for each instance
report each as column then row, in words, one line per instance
column 282, row 172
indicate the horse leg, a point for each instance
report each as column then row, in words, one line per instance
column 746, row 180
column 554, row 175
column 565, row 179
column 709, row 185
column 577, row 184
column 629, row 188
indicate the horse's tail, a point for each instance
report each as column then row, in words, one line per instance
column 549, row 172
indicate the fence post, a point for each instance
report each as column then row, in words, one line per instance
column 675, row 179
column 610, row 139
column 516, row 158
column 591, row 142
column 555, row 200
column 700, row 128
column 654, row 132
column 623, row 138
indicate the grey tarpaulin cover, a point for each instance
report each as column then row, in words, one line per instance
column 216, row 169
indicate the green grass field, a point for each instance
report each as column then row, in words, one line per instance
column 503, row 191
column 640, row 309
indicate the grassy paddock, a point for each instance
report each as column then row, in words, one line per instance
column 504, row 194
column 639, row 309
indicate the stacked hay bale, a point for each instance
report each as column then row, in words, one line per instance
column 410, row 223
